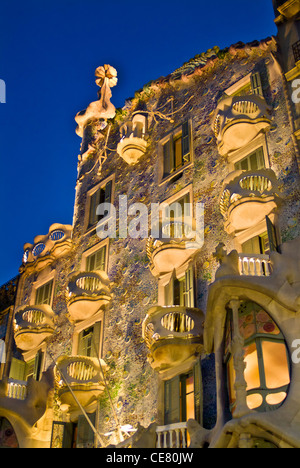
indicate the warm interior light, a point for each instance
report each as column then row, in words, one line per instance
column 275, row 398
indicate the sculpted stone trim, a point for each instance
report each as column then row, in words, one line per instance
column 47, row 248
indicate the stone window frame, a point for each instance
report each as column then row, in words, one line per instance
column 43, row 278
column 99, row 317
column 238, row 155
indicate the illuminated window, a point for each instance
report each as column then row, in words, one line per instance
column 267, row 364
column 253, row 162
column 89, row 341
column 97, row 260
column 183, row 397
column 180, row 291
column 44, row 294
column 102, row 195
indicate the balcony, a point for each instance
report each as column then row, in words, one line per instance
column 240, row 119
column 176, row 244
column 87, row 293
column 289, row 8
column 83, row 375
column 47, row 248
column 248, row 197
column 133, row 144
column 173, row 335
column 255, row 265
column 33, row 325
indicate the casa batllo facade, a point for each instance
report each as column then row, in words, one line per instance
column 147, row 341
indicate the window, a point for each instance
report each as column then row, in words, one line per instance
column 183, row 397
column 21, row 370
column 102, row 195
column 253, row 162
column 44, row 294
column 250, row 84
column 73, row 435
column 97, row 261
column 267, row 365
column 257, row 245
column 180, row 291
column 264, row 243
column 89, row 341
column 176, row 150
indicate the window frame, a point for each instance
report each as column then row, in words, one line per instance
column 171, row 138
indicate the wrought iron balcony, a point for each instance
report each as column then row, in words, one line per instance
column 248, row 197
column 84, row 376
column 33, row 325
column 238, row 120
column 173, row 335
column 87, row 293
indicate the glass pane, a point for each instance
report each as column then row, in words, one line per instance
column 275, row 364
column 254, row 401
column 190, row 406
column 231, row 381
column 276, row 398
column 252, row 370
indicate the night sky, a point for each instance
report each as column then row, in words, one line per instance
column 49, row 51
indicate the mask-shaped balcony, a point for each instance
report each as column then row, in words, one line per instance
column 84, row 376
column 133, row 144
column 87, row 293
column 47, row 248
column 173, row 335
column 33, row 325
column 248, row 198
column 239, row 120
column 177, row 242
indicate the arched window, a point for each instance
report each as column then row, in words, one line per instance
column 267, row 372
column 8, row 438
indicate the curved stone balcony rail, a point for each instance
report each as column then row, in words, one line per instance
column 133, row 144
column 238, row 120
column 176, row 243
column 173, row 335
column 48, row 248
column 248, row 197
column 87, row 293
column 33, row 325
column 84, row 375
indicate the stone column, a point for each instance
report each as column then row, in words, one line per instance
column 240, row 384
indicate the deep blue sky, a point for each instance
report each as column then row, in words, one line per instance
column 49, row 51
